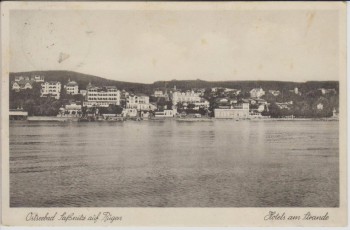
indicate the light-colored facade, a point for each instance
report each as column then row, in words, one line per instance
column 239, row 111
column 188, row 97
column 257, row 92
column 335, row 113
column 275, row 92
column 130, row 112
column 215, row 89
column 35, row 78
column 21, row 78
column 22, row 85
column 285, row 105
column 18, row 114
column 70, row 110
column 326, row 91
column 261, row 108
column 38, row 78
column 296, row 90
column 201, row 104
column 16, row 86
column 102, row 96
column 166, row 113
column 72, row 87
column 138, row 102
column 319, row 106
column 83, row 92
column 51, row 88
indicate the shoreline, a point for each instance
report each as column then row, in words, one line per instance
column 76, row 119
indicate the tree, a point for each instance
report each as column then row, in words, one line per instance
column 84, row 110
column 269, row 97
column 302, row 109
column 179, row 105
column 169, row 104
column 78, row 97
column 207, row 93
column 191, row 106
column 29, row 106
column 274, row 110
column 202, row 111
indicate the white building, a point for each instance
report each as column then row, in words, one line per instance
column 285, row 105
column 296, row 90
column 275, row 92
column 257, row 92
column 261, row 108
column 83, row 92
column 166, row 113
column 72, row 87
column 187, row 97
column 130, row 112
column 335, row 113
column 319, row 106
column 51, row 88
column 138, row 101
column 239, row 111
column 70, row 110
column 21, row 78
column 201, row 104
column 22, row 85
column 102, row 96
column 215, row 89
column 38, row 78
column 16, row 87
column 326, row 91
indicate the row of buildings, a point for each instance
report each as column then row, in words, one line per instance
column 137, row 104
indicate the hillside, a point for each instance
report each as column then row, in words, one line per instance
column 245, row 86
column 83, row 79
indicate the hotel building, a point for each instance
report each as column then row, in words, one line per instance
column 138, row 101
column 51, row 88
column 72, row 87
column 102, row 96
column 187, row 97
column 257, row 93
column 237, row 111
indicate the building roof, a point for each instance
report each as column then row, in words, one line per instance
column 256, row 89
column 22, row 82
column 52, row 82
column 72, row 83
column 141, row 95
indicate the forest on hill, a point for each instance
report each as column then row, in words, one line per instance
column 84, row 79
column 304, row 103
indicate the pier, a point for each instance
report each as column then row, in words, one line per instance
column 18, row 114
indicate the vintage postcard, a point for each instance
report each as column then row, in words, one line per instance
column 173, row 114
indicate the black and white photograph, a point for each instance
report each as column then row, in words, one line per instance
column 163, row 106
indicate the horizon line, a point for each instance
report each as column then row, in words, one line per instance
column 172, row 80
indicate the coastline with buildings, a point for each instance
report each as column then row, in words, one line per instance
column 41, row 97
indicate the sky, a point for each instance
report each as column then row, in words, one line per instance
column 148, row 46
